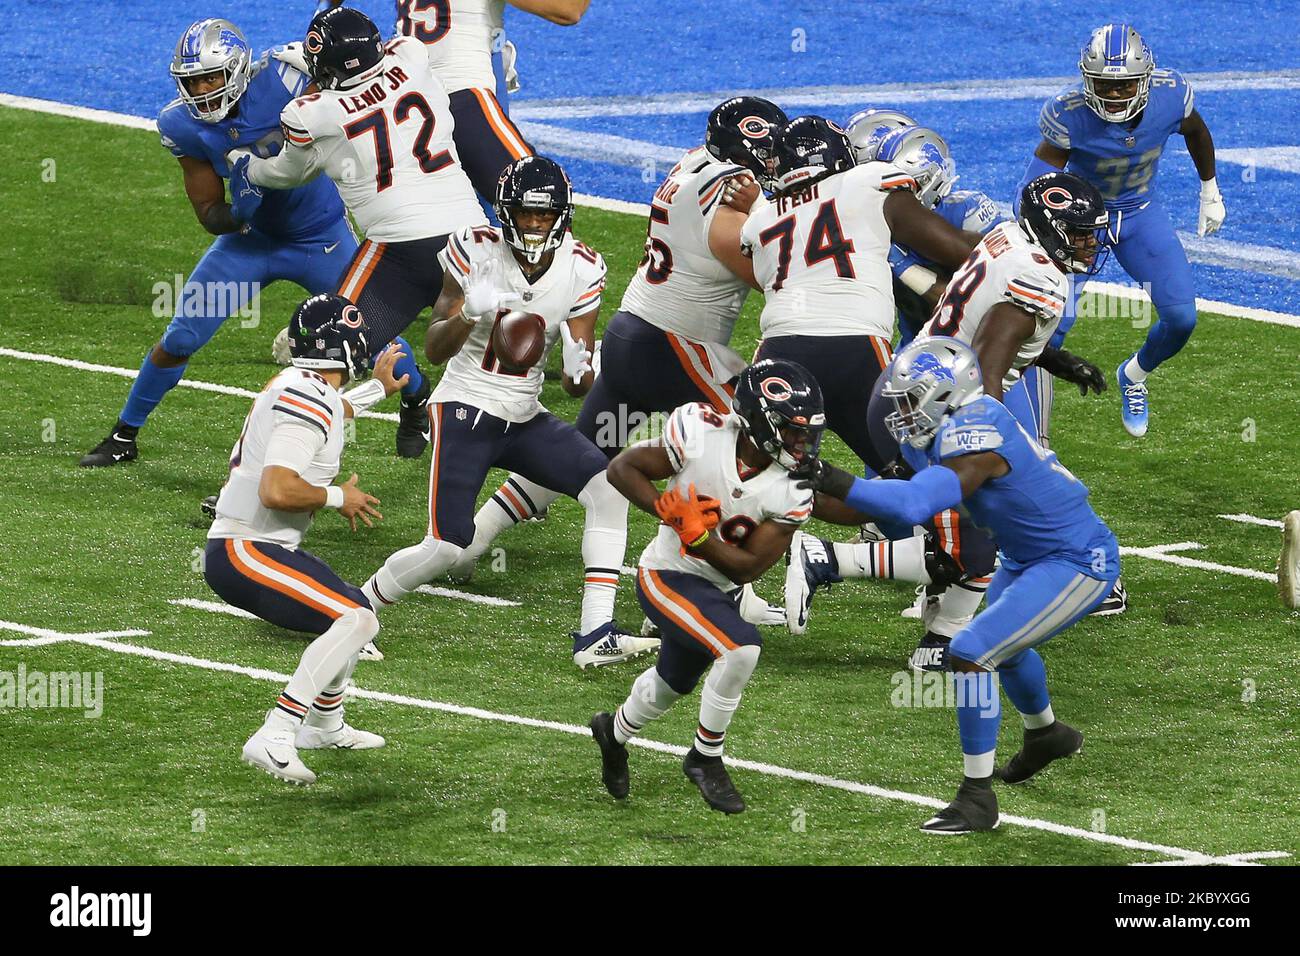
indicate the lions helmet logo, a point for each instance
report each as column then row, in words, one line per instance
column 1057, row 197
column 929, row 364
column 754, row 127
column 775, row 388
column 228, row 41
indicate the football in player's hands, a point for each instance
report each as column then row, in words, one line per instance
column 518, row 340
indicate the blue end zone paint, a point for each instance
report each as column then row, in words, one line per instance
column 116, row 58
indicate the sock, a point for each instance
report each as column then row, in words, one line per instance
column 327, row 657
column 327, row 709
column 1134, row 370
column 979, row 714
column 406, row 570
column 516, row 500
column 604, row 542
column 1164, row 340
column 957, row 605
column 900, row 560
column 648, row 700
column 1024, row 678
column 408, row 366
column 721, row 696
column 148, row 390
column 1039, row 721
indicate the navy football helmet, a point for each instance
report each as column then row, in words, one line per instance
column 538, row 184
column 780, row 408
column 342, row 48
column 329, row 332
column 808, row 148
column 1067, row 217
column 741, row 131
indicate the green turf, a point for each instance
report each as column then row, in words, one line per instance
column 1174, row 755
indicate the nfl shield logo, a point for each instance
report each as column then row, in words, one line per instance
column 234, row 133
column 461, row 413
column 1129, row 141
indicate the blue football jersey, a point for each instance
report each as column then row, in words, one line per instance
column 1037, row 509
column 967, row 209
column 302, row 214
column 1119, row 160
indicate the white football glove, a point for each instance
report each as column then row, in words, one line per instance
column 577, row 357
column 481, row 294
column 1212, row 211
column 292, row 54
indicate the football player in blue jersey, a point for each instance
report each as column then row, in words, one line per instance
column 1111, row 129
column 230, row 99
column 1059, row 560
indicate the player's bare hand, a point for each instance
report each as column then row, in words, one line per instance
column 358, row 504
column 383, row 370
column 740, row 192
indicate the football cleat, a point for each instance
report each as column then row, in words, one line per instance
column 463, row 570
column 613, row 755
column 113, row 450
column 370, row 652
column 916, row 609
column 208, row 507
column 809, row 565
column 1134, row 409
column 280, row 353
column 343, row 737
column 870, row 533
column 272, row 749
column 710, row 775
column 1288, row 566
column 973, row 810
column 413, row 423
column 609, row 644
column 754, row 609
column 1116, row 602
column 931, row 653
column 649, row 628
column 1040, row 748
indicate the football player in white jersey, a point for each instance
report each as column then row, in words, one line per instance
column 729, row 511
column 667, row 345
column 282, row 470
column 381, row 128
column 486, row 413
column 820, row 252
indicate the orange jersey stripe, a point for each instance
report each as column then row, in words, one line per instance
column 305, row 407
column 501, row 126
column 707, row 389
column 435, row 433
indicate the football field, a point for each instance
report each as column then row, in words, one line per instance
column 1189, row 701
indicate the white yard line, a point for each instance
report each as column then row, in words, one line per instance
column 1164, row 552
column 767, row 769
column 40, row 636
column 1251, row 519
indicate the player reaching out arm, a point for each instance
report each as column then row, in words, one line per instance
column 728, row 513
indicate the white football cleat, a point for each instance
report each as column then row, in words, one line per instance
column 1288, row 566
column 755, row 610
column 649, row 628
column 370, row 652
column 798, row 592
column 272, row 749
column 280, row 353
column 613, row 646
column 344, row 737
column 913, row 611
column 463, row 569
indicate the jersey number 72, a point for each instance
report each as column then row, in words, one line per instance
column 377, row 123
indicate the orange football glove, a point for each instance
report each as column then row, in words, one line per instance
column 692, row 516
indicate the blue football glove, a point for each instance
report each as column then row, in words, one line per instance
column 245, row 198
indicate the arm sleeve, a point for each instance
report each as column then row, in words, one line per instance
column 910, row 502
column 1036, row 168
column 292, row 445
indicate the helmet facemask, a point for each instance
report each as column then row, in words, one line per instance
column 532, row 242
column 211, row 48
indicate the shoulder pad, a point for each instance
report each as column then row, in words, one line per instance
column 1053, row 120
column 1038, row 292
column 969, row 431
column 175, row 131
column 885, row 176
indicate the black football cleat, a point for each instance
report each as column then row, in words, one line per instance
column 931, row 653
column 710, row 775
column 1116, row 602
column 1040, row 748
column 413, row 423
column 209, row 507
column 613, row 755
column 973, row 810
column 116, row 449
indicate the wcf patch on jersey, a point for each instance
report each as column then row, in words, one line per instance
column 968, row 440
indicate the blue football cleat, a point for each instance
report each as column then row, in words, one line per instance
column 1133, row 402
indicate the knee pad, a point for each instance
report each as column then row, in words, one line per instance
column 603, row 501
column 733, row 670
column 181, row 340
column 1179, row 318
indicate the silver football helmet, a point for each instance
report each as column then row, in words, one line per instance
column 922, row 154
column 927, row 381
column 866, row 128
column 1116, row 53
column 212, row 46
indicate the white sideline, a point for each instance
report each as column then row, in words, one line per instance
column 612, row 148
column 772, row 770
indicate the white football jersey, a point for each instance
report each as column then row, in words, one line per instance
column 571, row 287
column 821, row 255
column 459, row 36
column 299, row 399
column 1006, row 266
column 680, row 286
column 387, row 144
column 701, row 446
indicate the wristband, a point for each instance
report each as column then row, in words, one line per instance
column 365, row 395
column 918, row 278
column 334, row 497
column 1210, row 187
column 699, row 541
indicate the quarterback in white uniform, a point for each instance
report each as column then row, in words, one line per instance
column 732, row 505
column 668, row 344
column 282, row 470
column 380, row 126
column 487, row 413
column 820, row 252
